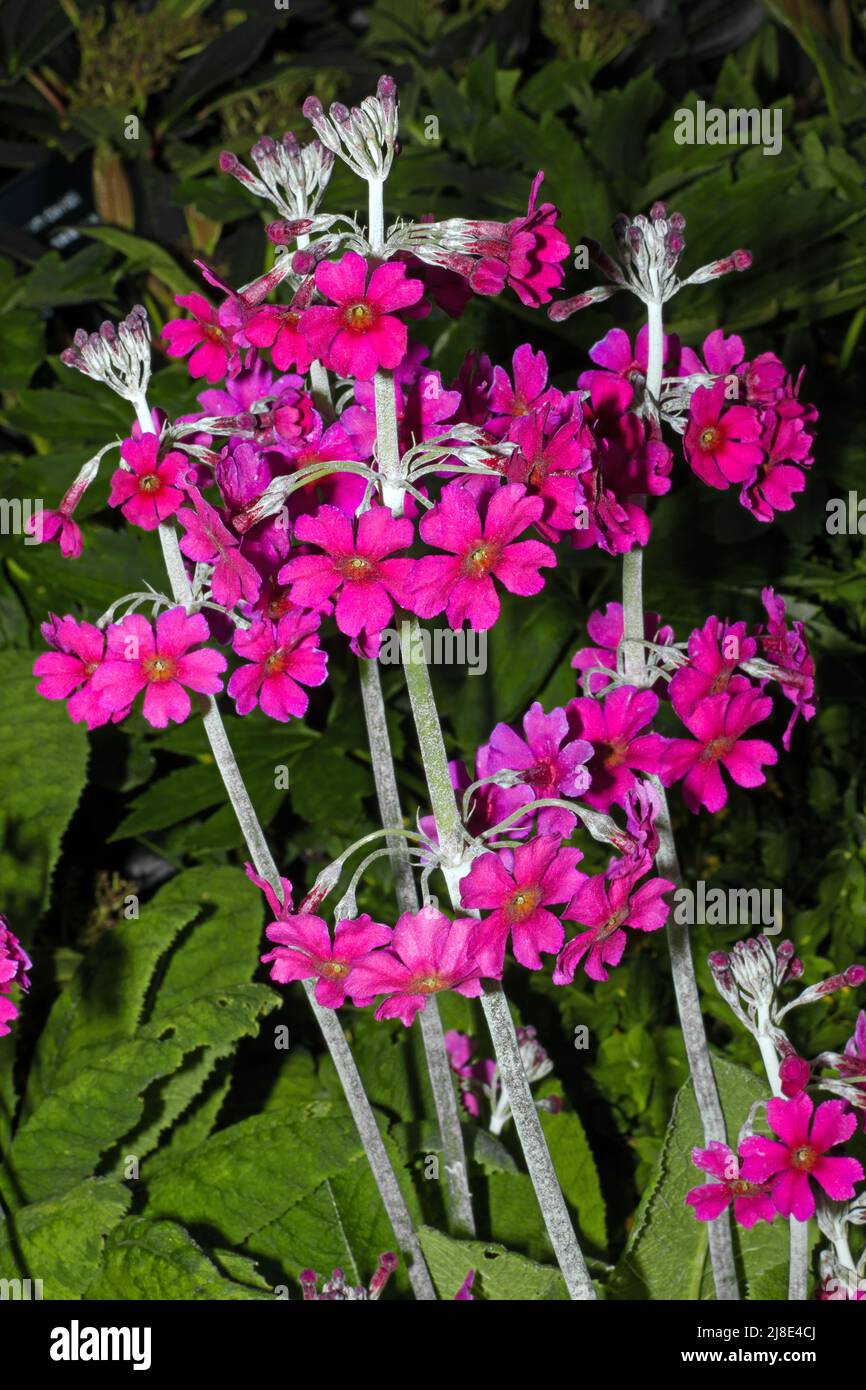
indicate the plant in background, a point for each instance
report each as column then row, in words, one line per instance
column 352, row 484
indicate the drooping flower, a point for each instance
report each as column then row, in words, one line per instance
column 356, row 567
column 751, row 1200
column 162, row 664
column 786, row 648
column 717, row 725
column 427, row 953
column 854, row 1061
column 67, row 672
column 481, row 538
column 361, row 333
column 612, row 727
column 548, row 758
column 150, row 489
column 14, row 967
column 305, row 952
column 606, row 904
column 280, row 903
column 722, row 445
column 787, row 445
column 203, row 335
column 282, row 657
column 56, row 524
column 798, row 1155
column 526, row 253
column 517, row 887
column 206, row 540
column 794, row 1074
column 715, row 651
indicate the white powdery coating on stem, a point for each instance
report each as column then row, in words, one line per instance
column 332, row 1032
column 667, row 862
column 538, row 1161
column 499, row 1021
column 697, row 1051
column 438, row 1064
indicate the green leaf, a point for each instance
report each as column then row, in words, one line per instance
column 499, row 1273
column 576, row 1170
column 244, row 1178
column 60, row 1240
column 44, row 761
column 106, row 1041
column 666, row 1255
column 160, row 1260
column 142, row 254
column 22, row 347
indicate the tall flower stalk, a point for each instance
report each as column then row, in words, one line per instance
column 263, row 861
column 365, row 487
column 667, row 860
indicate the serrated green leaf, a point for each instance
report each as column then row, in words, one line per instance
column 60, row 1240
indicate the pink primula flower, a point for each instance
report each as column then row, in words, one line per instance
column 606, row 904
column 481, row 538
column 427, row 953
column 361, row 334
column 49, row 524
column 67, row 672
column 355, row 567
column 722, row 444
column 163, row 665
column 525, row 253
column 786, row 648
column 549, row 462
column 305, row 952
column 281, row 657
column 277, row 326
column 787, row 446
column 203, row 336
column 751, row 1201
column 518, row 886
column 717, row 725
column 208, row 541
column 14, row 965
column 613, row 728
column 548, row 758
column 151, row 488
column 715, row 651
column 529, row 392
column 798, row 1155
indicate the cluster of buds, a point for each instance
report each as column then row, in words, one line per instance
column 119, row 357
column 364, row 137
column 750, row 976
column 647, row 255
column 336, row 1290
column 749, row 979
column 292, row 176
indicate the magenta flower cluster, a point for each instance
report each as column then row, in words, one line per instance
column 14, row 967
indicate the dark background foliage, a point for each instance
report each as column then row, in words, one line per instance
column 98, row 212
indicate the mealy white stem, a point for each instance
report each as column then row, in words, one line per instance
column 667, row 862
column 438, row 1064
column 254, row 837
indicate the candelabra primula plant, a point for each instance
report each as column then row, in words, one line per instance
column 330, row 478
